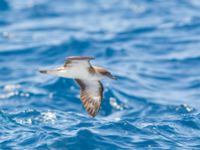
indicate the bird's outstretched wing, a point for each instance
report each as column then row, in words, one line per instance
column 91, row 95
column 78, row 60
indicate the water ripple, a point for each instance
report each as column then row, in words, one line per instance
column 151, row 46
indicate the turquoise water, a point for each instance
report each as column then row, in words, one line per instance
column 152, row 46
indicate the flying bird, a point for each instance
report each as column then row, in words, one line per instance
column 88, row 78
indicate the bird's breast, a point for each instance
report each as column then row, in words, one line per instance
column 78, row 73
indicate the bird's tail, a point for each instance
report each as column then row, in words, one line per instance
column 52, row 72
column 48, row 71
column 43, row 71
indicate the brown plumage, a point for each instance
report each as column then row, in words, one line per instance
column 88, row 78
column 90, row 102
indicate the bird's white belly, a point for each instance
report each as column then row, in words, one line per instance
column 77, row 73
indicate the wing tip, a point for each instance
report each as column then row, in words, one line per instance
column 92, row 111
column 92, row 114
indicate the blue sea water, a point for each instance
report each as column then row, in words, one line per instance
column 152, row 46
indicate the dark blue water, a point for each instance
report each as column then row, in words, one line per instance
column 152, row 46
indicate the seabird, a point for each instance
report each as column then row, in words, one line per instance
column 88, row 78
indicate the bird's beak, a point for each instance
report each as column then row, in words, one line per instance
column 112, row 77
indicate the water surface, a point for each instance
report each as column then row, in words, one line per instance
column 153, row 47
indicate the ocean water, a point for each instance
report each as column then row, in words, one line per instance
column 152, row 46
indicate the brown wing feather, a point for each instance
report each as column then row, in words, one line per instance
column 74, row 60
column 80, row 58
column 91, row 98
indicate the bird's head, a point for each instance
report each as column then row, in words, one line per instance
column 106, row 73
